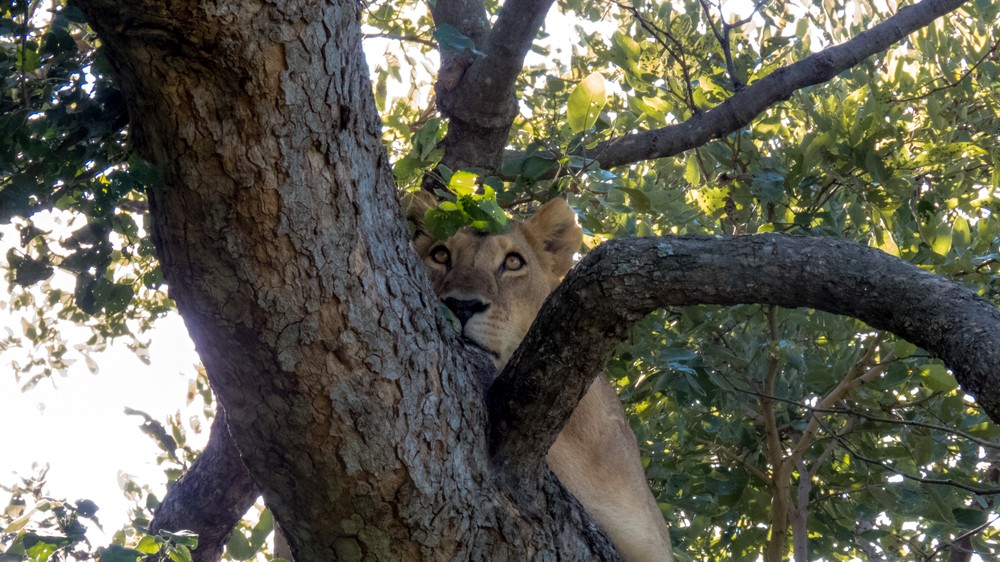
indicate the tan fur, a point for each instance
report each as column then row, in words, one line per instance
column 595, row 455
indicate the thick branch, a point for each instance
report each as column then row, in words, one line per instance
column 486, row 92
column 741, row 109
column 478, row 94
column 623, row 280
column 211, row 497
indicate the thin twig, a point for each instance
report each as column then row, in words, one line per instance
column 673, row 47
column 935, row 481
column 395, row 37
column 723, row 37
column 991, row 52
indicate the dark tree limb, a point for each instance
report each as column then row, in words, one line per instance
column 741, row 109
column 623, row 280
column 211, row 497
column 477, row 93
column 744, row 106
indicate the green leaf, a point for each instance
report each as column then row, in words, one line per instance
column 261, row 530
column 19, row 523
column 112, row 297
column 876, row 167
column 768, row 185
column 442, row 224
column 969, row 518
column 941, row 244
column 43, row 547
column 149, row 545
column 238, row 546
column 27, row 270
column 426, row 140
column 586, row 102
column 960, row 235
column 638, row 199
column 932, row 505
column 710, row 199
column 537, row 166
column 73, row 14
column 937, row 378
column 813, row 151
column 462, row 183
column 116, row 553
column 692, row 173
column 484, row 213
column 180, row 554
column 449, row 38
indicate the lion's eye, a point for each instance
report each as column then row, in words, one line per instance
column 441, row 255
column 513, row 262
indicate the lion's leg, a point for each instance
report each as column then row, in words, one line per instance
column 597, row 459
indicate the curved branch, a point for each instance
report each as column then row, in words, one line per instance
column 741, row 109
column 623, row 280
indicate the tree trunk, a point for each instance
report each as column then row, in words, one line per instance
column 358, row 416
column 282, row 242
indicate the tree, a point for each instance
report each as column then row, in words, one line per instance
column 371, row 432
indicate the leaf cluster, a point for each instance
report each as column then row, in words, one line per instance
column 39, row 528
column 71, row 191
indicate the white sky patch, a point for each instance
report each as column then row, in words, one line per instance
column 75, row 421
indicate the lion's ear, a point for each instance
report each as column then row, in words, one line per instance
column 415, row 205
column 555, row 227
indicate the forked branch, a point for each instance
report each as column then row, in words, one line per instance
column 477, row 91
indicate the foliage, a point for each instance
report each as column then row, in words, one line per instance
column 897, row 153
column 161, row 547
column 750, row 417
column 46, row 528
column 71, row 188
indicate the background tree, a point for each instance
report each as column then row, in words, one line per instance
column 273, row 210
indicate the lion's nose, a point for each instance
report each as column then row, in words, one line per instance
column 465, row 309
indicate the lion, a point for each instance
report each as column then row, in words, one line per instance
column 495, row 285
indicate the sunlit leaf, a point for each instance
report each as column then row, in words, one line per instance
column 937, row 378
column 586, row 103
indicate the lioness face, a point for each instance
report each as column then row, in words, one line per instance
column 496, row 283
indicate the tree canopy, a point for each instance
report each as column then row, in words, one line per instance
column 766, row 430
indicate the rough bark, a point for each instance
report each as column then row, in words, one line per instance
column 211, row 497
column 623, row 280
column 282, row 243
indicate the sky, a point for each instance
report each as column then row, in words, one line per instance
column 76, row 422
